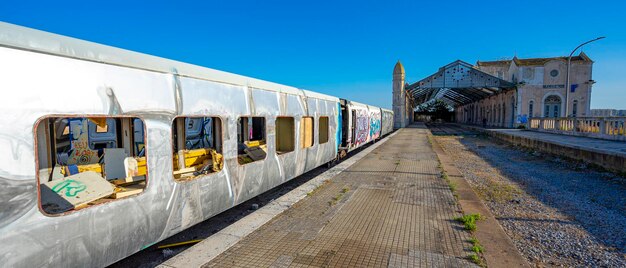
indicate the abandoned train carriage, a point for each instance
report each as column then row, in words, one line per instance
column 108, row 151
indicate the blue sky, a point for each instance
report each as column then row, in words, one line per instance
column 345, row 48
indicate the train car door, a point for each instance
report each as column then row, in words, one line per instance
column 353, row 127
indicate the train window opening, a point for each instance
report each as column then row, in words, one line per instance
column 306, row 132
column 323, row 127
column 285, row 135
column 197, row 147
column 84, row 161
column 251, row 139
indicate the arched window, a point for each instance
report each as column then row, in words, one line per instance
column 575, row 108
column 552, row 106
column 503, row 113
column 531, row 106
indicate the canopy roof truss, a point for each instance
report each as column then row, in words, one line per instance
column 457, row 83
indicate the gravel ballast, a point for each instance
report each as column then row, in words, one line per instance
column 557, row 212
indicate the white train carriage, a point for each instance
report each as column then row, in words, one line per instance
column 108, row 151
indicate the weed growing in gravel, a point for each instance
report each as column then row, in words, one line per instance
column 469, row 221
column 475, row 259
column 470, row 226
column 477, row 249
column 451, row 184
column 497, row 192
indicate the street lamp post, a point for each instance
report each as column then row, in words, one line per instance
column 567, row 85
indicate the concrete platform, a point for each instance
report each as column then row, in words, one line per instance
column 605, row 153
column 389, row 209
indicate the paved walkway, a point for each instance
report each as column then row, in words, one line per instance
column 585, row 143
column 609, row 146
column 390, row 209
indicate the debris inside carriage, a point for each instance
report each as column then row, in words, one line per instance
column 88, row 161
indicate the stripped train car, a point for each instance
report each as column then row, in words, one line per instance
column 108, row 151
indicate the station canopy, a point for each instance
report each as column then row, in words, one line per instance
column 457, row 83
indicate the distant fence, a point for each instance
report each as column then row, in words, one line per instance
column 610, row 128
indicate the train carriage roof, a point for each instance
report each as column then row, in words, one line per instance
column 318, row 95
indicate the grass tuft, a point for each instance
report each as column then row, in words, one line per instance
column 469, row 221
column 477, row 249
column 475, row 259
column 452, row 186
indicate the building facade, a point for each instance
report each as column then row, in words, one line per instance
column 541, row 91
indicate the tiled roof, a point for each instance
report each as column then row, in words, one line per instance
column 532, row 61
column 494, row 63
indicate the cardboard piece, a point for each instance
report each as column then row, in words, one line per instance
column 114, row 163
column 73, row 191
column 131, row 167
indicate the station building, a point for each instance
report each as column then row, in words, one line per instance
column 502, row 93
column 541, row 88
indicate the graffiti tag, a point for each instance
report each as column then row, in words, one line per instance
column 71, row 187
column 375, row 126
column 362, row 126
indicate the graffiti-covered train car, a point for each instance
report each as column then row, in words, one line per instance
column 362, row 123
column 375, row 122
column 386, row 121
